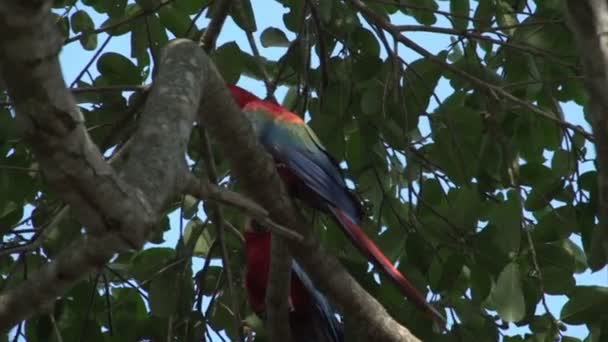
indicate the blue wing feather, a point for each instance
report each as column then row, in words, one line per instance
column 324, row 311
column 313, row 166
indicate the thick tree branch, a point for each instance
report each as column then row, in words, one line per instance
column 277, row 319
column 124, row 207
column 118, row 210
column 589, row 20
column 234, row 133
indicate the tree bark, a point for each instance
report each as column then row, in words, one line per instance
column 588, row 19
column 124, row 205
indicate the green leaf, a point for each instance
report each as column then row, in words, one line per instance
column 132, row 315
column 563, row 163
column 242, row 13
column 345, row 19
column 293, row 19
column 557, row 280
column 190, row 206
column 118, row 69
column 563, row 254
column 507, row 218
column 147, row 34
column 507, row 295
column 540, row 198
column 420, row 79
column 145, row 264
column 555, row 225
column 175, row 20
column 444, row 271
column 197, row 238
column 82, row 23
column 228, row 59
column 586, row 304
column 191, row 6
column 460, row 11
column 148, row 5
column 422, row 10
column 208, row 283
column 274, row 37
column 483, row 15
column 371, row 101
column 325, row 10
column 363, row 42
column 506, row 16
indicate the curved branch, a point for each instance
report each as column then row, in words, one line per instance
column 118, row 209
column 234, row 133
column 488, row 88
column 121, row 208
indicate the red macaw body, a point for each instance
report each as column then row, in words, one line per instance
column 312, row 318
column 311, row 174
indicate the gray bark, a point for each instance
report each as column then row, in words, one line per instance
column 120, row 207
column 588, row 19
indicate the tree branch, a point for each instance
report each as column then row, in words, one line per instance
column 486, row 87
column 207, row 41
column 234, row 133
column 279, row 280
column 589, row 21
column 119, row 211
column 207, row 191
column 219, row 221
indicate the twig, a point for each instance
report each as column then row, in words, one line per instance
column 136, row 88
column 90, row 62
column 207, row 41
column 234, row 230
column 118, row 23
column 489, row 88
column 475, row 35
column 207, row 191
column 260, row 63
column 90, row 307
column 106, row 286
column 218, row 218
column 126, row 87
column 56, row 327
column 193, row 21
column 537, row 270
column 323, row 58
column 128, row 282
column 37, row 240
column 201, row 277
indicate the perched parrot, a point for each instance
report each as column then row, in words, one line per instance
column 313, row 175
column 312, row 318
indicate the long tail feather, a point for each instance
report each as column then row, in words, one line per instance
column 368, row 247
column 323, row 325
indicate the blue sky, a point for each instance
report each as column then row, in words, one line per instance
column 74, row 58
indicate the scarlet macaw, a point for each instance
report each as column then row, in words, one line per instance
column 312, row 318
column 313, row 175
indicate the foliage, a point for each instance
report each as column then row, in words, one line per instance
column 476, row 195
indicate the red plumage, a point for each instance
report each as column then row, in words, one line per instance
column 311, row 317
column 257, row 252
